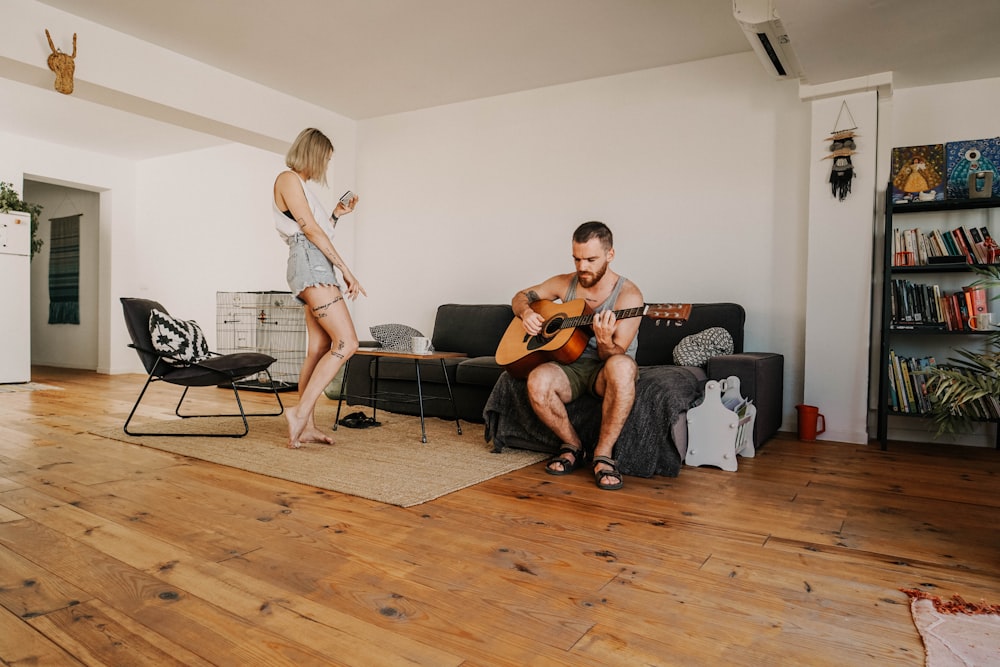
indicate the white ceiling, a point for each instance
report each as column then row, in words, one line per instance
column 366, row 58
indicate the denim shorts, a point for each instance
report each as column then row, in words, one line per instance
column 307, row 266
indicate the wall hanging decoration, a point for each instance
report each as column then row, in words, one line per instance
column 972, row 168
column 63, row 64
column 918, row 173
column 842, row 147
column 64, row 270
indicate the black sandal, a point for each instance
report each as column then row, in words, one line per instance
column 359, row 420
column 599, row 475
column 567, row 465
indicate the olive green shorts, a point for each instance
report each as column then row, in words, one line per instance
column 582, row 374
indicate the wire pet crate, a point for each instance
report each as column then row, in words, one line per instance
column 269, row 322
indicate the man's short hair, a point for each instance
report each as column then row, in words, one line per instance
column 594, row 229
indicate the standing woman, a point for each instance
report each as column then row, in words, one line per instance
column 305, row 226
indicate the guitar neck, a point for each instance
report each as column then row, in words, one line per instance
column 587, row 320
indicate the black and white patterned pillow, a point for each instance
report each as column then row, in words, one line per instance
column 394, row 337
column 697, row 349
column 182, row 342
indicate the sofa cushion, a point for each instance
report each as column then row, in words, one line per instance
column 475, row 329
column 405, row 369
column 697, row 349
column 394, row 336
column 481, row 371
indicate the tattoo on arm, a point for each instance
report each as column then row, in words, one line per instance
column 532, row 296
column 302, row 222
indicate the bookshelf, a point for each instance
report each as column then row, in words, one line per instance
column 924, row 332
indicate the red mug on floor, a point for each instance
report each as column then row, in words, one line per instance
column 809, row 422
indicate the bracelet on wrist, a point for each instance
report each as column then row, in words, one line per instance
column 335, row 218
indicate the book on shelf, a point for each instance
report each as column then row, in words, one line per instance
column 963, row 244
column 908, row 383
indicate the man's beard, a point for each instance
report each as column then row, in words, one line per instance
column 591, row 279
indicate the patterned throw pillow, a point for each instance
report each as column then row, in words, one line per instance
column 394, row 337
column 697, row 349
column 181, row 342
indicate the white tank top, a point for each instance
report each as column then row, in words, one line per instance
column 287, row 227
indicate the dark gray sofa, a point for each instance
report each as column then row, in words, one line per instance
column 477, row 329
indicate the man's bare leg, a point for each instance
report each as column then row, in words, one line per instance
column 616, row 384
column 549, row 391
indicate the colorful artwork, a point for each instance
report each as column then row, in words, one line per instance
column 976, row 158
column 918, row 173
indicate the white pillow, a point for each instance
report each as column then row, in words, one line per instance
column 181, row 342
column 394, row 337
column 697, row 349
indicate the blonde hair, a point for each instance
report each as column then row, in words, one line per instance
column 309, row 153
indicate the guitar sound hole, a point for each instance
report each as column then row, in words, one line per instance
column 552, row 327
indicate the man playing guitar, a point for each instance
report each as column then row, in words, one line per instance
column 606, row 368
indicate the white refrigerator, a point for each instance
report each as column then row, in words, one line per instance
column 15, row 297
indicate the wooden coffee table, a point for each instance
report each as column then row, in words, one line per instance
column 379, row 353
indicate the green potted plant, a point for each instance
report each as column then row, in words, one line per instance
column 956, row 388
column 10, row 200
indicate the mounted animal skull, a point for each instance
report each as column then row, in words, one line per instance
column 63, row 65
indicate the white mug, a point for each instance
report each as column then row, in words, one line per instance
column 420, row 345
column 981, row 322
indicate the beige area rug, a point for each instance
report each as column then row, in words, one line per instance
column 387, row 463
column 26, row 386
column 955, row 632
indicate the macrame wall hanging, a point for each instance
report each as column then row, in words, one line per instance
column 842, row 147
column 63, row 64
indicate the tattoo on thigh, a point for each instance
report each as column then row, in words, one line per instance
column 325, row 306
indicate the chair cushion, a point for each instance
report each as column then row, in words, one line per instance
column 181, row 342
column 697, row 349
column 394, row 336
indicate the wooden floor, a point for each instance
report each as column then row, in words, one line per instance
column 114, row 554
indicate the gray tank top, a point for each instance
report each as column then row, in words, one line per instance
column 609, row 303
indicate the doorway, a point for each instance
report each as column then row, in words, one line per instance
column 65, row 345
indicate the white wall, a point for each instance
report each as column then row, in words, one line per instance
column 838, row 308
column 700, row 170
column 65, row 345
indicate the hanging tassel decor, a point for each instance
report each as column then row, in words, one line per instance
column 842, row 147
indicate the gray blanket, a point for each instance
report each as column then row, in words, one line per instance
column 645, row 446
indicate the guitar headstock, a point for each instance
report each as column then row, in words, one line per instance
column 674, row 313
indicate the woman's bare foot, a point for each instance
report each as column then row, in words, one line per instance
column 296, row 425
column 313, row 434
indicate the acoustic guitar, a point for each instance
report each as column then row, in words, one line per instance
column 566, row 332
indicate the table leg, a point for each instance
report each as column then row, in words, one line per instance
column 420, row 400
column 373, row 397
column 454, row 408
column 343, row 386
